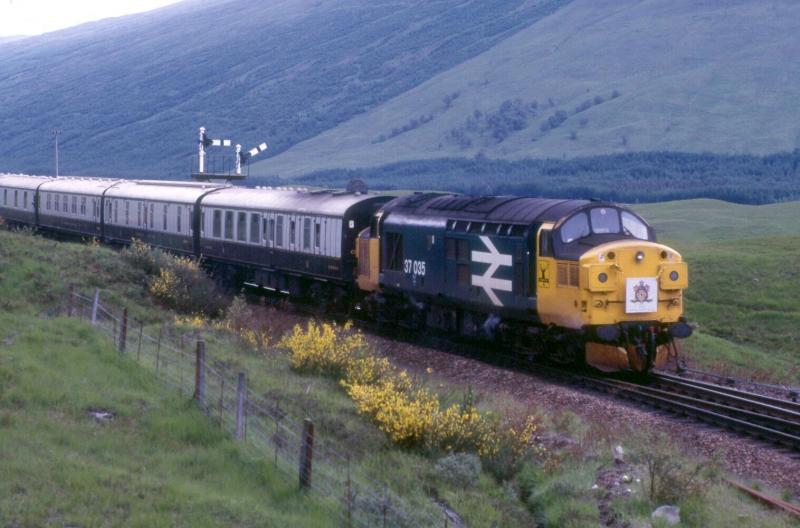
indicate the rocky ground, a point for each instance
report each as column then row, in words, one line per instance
column 744, row 457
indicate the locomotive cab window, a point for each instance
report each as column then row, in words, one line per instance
column 604, row 220
column 575, row 228
column 633, row 226
column 546, row 243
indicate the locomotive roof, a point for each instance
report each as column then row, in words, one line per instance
column 500, row 209
column 323, row 202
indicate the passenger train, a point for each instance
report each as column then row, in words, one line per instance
column 572, row 279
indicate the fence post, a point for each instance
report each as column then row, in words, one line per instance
column 221, row 397
column 200, row 372
column 94, row 305
column 158, row 346
column 70, row 300
column 139, row 348
column 240, row 390
column 349, row 497
column 306, row 453
column 123, row 331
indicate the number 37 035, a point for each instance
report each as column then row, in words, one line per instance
column 414, row 267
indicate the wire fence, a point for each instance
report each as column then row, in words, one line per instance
column 321, row 468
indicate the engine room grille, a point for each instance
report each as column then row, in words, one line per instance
column 567, row 274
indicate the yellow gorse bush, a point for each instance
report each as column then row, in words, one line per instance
column 409, row 414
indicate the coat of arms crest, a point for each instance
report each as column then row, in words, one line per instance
column 641, row 292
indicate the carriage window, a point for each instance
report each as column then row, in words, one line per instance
column 152, row 215
column 108, row 212
column 74, row 205
column 255, row 228
column 241, row 227
column 394, row 250
column 138, row 213
column 127, row 212
column 317, row 234
column 604, row 220
column 202, row 221
column 164, row 217
column 180, row 218
column 279, row 232
column 633, row 226
column 216, row 230
column 49, row 201
column 16, row 198
column 292, row 232
column 575, row 228
column 271, row 230
column 5, row 196
column 229, row 225
column 83, row 206
column 25, row 200
column 306, row 233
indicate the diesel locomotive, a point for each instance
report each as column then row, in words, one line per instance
column 577, row 280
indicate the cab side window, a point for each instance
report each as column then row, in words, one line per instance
column 546, row 243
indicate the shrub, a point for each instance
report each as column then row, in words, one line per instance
column 669, row 478
column 323, row 348
column 178, row 282
column 459, row 469
column 410, row 414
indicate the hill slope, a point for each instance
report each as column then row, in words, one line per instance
column 129, row 93
column 598, row 76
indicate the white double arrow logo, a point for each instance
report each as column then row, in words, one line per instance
column 495, row 259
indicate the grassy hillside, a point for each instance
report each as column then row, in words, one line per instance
column 744, row 282
column 129, row 93
column 596, row 77
column 159, row 462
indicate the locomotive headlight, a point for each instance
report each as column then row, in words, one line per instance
column 602, row 277
column 674, row 275
column 639, row 256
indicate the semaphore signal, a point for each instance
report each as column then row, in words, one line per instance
column 242, row 157
column 204, row 142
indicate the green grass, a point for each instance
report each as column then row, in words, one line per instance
column 744, row 292
column 34, row 276
column 158, row 463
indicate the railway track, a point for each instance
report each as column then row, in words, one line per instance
column 774, row 420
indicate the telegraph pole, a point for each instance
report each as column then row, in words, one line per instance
column 56, row 133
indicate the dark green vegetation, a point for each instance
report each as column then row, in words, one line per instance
column 744, row 283
column 641, row 177
column 131, row 92
column 157, row 463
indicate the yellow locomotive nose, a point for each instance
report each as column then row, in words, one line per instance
column 634, row 288
column 626, row 281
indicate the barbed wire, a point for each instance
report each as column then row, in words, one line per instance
column 266, row 431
